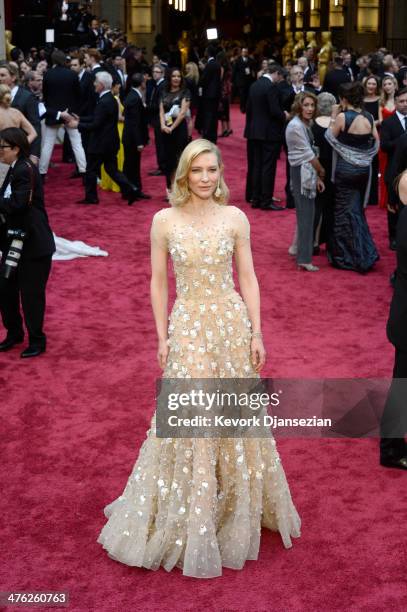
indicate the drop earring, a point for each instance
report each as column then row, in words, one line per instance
column 218, row 191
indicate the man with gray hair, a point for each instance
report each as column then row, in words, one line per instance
column 103, row 142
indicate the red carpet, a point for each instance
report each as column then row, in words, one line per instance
column 73, row 421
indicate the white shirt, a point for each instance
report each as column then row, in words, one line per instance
column 402, row 119
column 82, row 72
column 268, row 76
column 103, row 93
column 13, row 92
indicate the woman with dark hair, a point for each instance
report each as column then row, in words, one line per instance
column 371, row 104
column 226, row 92
column 355, row 141
column 174, row 105
column 306, row 174
column 22, row 213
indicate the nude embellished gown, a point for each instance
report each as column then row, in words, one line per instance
column 199, row 503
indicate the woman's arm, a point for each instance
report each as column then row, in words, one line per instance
column 338, row 125
column 164, row 128
column 159, row 285
column 249, row 287
column 182, row 113
column 27, row 127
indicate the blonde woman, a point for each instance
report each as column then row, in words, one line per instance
column 386, row 109
column 198, row 503
column 11, row 117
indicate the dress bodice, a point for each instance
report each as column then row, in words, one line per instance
column 202, row 260
column 358, row 141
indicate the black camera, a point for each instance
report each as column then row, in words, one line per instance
column 14, row 253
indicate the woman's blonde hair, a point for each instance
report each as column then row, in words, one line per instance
column 384, row 96
column 4, row 90
column 192, row 72
column 180, row 192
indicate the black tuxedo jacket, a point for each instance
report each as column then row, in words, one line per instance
column 390, row 131
column 211, row 81
column 265, row 118
column 287, row 93
column 61, row 90
column 27, row 103
column 88, row 98
column 240, row 76
column 20, row 213
column 397, row 323
column 154, row 104
column 135, row 131
column 102, row 127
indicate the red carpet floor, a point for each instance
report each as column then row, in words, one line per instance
column 73, row 421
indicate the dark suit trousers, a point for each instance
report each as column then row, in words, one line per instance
column 159, row 147
column 29, row 282
column 394, row 418
column 94, row 163
column 243, row 95
column 131, row 166
column 392, row 219
column 265, row 156
column 210, row 119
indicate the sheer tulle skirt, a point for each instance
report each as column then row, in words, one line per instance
column 199, row 504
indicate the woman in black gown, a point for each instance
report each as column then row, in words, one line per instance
column 371, row 103
column 174, row 105
column 354, row 139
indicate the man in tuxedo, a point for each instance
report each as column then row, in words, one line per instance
column 265, row 122
column 25, row 102
column 243, row 76
column 103, row 143
column 135, row 131
column 392, row 129
column 92, row 59
column 154, row 117
column 393, row 448
column 61, row 91
column 210, row 87
column 307, row 70
column 335, row 77
column 118, row 72
column 87, row 91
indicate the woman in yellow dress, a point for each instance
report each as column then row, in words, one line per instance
column 106, row 182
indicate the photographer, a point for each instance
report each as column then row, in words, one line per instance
column 22, row 212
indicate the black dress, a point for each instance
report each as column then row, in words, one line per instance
column 324, row 202
column 373, row 109
column 174, row 143
column 351, row 245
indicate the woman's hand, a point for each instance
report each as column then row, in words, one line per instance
column 166, row 129
column 320, row 185
column 258, row 353
column 162, row 353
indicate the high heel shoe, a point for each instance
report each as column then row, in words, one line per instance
column 309, row 267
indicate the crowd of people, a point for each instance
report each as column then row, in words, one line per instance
column 344, row 140
column 105, row 95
